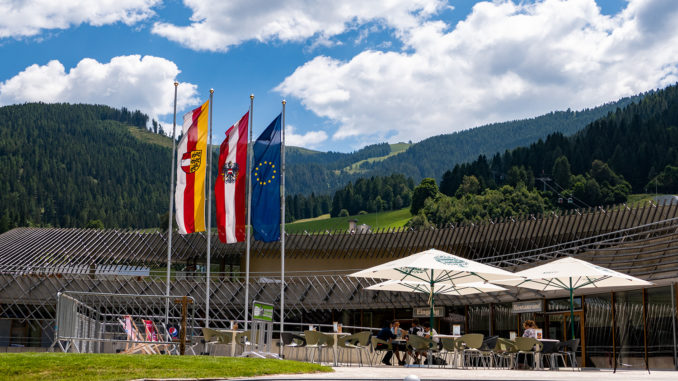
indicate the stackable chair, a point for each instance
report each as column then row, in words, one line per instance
column 448, row 351
column 469, row 346
column 292, row 342
column 316, row 341
column 568, row 349
column 358, row 342
column 423, row 345
column 374, row 342
column 487, row 350
column 530, row 346
column 505, row 353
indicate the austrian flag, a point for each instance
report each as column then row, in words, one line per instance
column 229, row 188
column 189, row 196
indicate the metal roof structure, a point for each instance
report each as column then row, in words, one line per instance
column 36, row 263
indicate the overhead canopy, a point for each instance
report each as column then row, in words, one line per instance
column 435, row 267
column 570, row 273
column 444, row 289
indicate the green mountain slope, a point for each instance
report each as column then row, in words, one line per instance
column 65, row 165
column 325, row 172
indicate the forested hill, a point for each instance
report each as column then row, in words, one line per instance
column 433, row 156
column 639, row 142
column 65, row 165
column 312, row 171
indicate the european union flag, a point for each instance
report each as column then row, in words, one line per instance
column 266, row 174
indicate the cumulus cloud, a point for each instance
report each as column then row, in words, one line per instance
column 135, row 82
column 311, row 139
column 29, row 17
column 218, row 25
column 506, row 60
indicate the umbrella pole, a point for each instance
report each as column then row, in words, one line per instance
column 571, row 310
column 432, row 302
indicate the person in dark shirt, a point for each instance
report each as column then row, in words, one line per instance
column 387, row 335
column 415, row 330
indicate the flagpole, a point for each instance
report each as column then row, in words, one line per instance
column 209, row 214
column 171, row 205
column 282, row 233
column 249, row 213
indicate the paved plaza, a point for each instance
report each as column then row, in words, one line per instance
column 398, row 373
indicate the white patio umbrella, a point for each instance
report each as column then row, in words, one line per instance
column 435, row 268
column 444, row 289
column 571, row 274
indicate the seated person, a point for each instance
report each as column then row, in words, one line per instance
column 415, row 329
column 386, row 334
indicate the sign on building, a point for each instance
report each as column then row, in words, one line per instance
column 528, row 306
column 424, row 312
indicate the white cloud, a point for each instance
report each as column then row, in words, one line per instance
column 29, row 17
column 218, row 25
column 504, row 61
column 135, row 82
column 311, row 139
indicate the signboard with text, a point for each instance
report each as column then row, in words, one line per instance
column 262, row 311
column 527, row 306
column 424, row 312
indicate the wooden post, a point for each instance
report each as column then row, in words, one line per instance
column 184, row 301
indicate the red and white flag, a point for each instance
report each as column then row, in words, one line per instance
column 229, row 188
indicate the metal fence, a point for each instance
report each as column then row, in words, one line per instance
column 90, row 322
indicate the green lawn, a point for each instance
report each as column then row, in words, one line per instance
column 395, row 149
column 70, row 366
column 390, row 219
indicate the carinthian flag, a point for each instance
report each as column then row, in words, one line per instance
column 266, row 183
column 189, row 195
column 229, row 188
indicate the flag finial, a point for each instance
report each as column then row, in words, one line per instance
column 176, row 83
column 211, row 91
column 251, row 96
column 284, row 102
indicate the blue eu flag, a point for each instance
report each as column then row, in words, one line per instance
column 266, row 174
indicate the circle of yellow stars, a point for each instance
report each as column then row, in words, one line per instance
column 261, row 180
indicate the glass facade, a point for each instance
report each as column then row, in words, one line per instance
column 630, row 329
column 598, row 331
column 660, row 339
column 479, row 319
column 504, row 320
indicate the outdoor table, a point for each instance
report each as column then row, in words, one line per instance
column 233, row 334
column 336, row 335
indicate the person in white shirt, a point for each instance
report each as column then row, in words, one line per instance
column 430, row 333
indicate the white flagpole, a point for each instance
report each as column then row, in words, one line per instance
column 171, row 205
column 282, row 232
column 209, row 214
column 250, row 151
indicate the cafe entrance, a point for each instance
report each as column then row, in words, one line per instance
column 557, row 326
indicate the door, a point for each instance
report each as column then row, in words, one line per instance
column 559, row 329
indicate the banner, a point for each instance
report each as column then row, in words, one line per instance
column 189, row 195
column 229, row 188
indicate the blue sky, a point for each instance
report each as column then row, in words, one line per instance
column 352, row 72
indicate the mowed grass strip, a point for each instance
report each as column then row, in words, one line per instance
column 72, row 366
column 390, row 219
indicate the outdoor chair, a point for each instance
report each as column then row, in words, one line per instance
column 133, row 336
column 530, row 346
column 568, row 349
column 358, row 342
column 549, row 352
column 505, row 353
column 423, row 345
column 316, row 341
column 469, row 347
column 292, row 342
column 374, row 344
column 448, row 351
column 242, row 340
column 487, row 350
